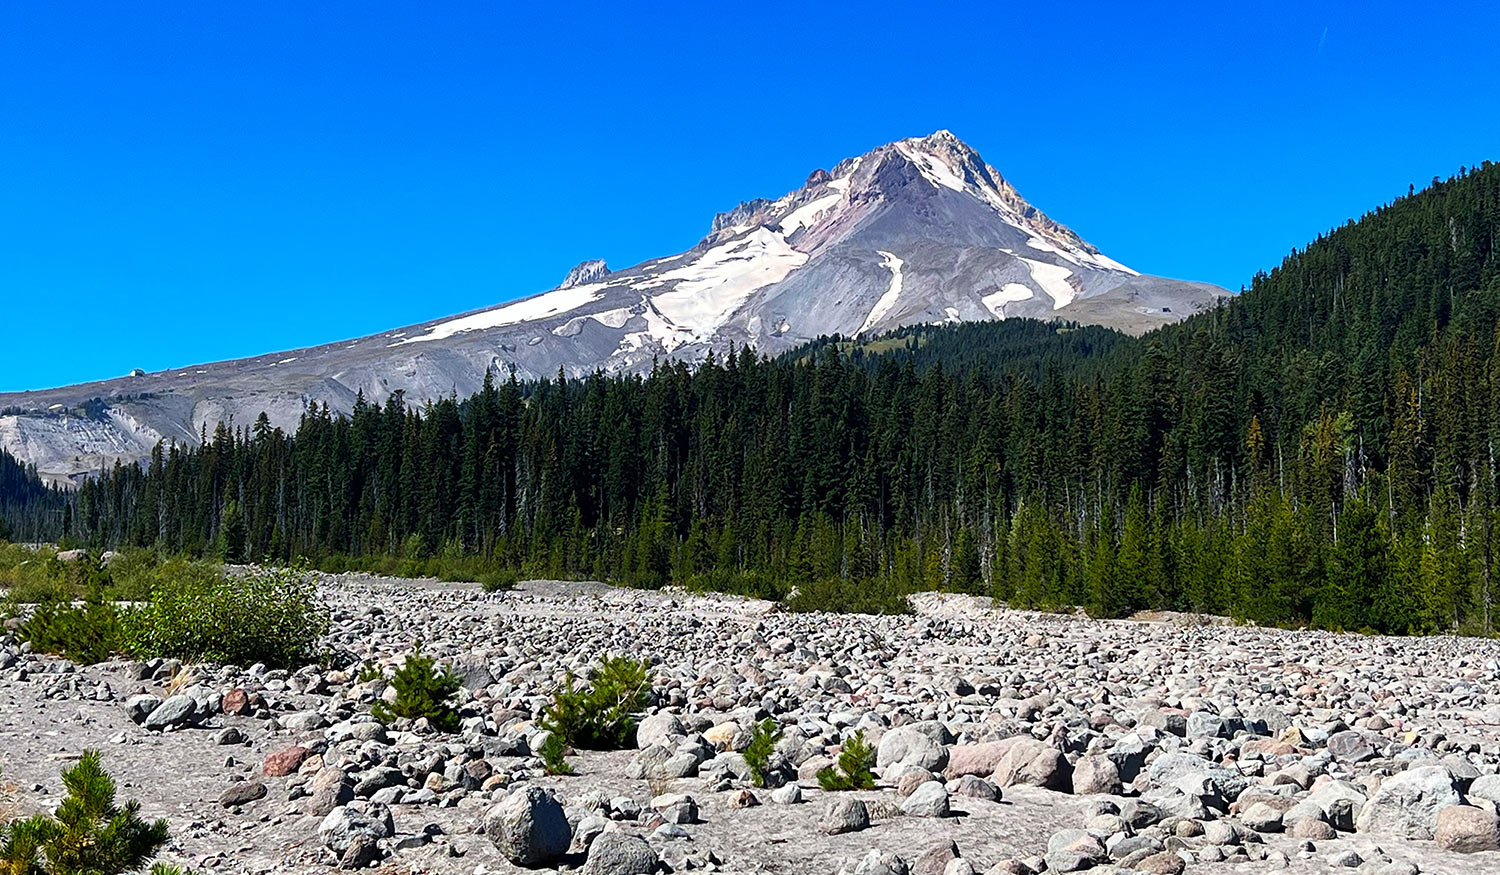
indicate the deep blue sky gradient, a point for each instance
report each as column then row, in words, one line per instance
column 186, row 182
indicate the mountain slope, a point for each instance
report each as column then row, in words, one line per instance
column 917, row 231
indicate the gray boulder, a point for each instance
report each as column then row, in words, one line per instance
column 1407, row 803
column 844, row 814
column 928, row 800
column 619, row 853
column 176, row 712
column 909, row 746
column 529, row 827
column 658, row 729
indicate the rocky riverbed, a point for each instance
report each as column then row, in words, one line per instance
column 1008, row 742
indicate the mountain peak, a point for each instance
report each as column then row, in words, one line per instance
column 919, row 230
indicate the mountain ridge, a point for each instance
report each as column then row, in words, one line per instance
column 919, row 230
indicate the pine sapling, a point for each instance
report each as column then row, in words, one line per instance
column 762, row 745
column 855, row 762
column 422, row 691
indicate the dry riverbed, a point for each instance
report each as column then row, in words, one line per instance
column 1008, row 741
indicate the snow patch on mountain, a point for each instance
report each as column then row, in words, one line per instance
column 1053, row 278
column 890, row 262
column 1010, row 293
column 717, row 283
column 540, row 307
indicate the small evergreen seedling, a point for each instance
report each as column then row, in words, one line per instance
column 853, row 772
column 601, row 716
column 762, row 745
column 422, row 691
column 553, row 751
column 89, row 835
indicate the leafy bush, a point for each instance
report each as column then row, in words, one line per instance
column 552, row 753
column 85, row 634
column 422, row 691
column 762, row 745
column 603, row 715
column 89, row 835
column 273, row 617
column 855, row 762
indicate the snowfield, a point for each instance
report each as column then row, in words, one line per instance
column 888, row 300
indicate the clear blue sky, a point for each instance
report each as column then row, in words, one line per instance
column 185, row 182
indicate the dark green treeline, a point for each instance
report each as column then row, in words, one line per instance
column 1321, row 449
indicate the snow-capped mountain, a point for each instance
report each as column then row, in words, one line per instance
column 916, row 231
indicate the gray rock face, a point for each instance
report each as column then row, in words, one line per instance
column 529, row 827
column 585, row 272
column 618, row 853
column 917, row 231
column 1408, row 803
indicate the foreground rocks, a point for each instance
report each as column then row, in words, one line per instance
column 1006, row 742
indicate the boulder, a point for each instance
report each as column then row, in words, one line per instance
column 619, row 853
column 176, row 712
column 1350, row 746
column 928, row 800
column 1096, row 774
column 529, row 827
column 139, row 707
column 285, row 761
column 1467, row 830
column 977, row 759
column 330, row 789
column 936, row 859
column 338, row 829
column 910, row 747
column 242, row 793
column 1073, row 850
column 844, row 814
column 1407, row 803
column 658, row 729
column 1032, row 763
column 878, row 862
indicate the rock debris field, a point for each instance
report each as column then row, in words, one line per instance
column 1007, row 742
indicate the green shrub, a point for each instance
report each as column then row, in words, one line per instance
column 85, row 634
column 422, row 691
column 853, row 772
column 762, row 745
column 273, row 617
column 25, row 573
column 497, row 580
column 848, row 596
column 603, row 715
column 552, row 753
column 89, row 834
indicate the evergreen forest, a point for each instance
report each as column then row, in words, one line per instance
column 1319, row 450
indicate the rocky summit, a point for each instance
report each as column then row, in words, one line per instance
column 918, row 231
column 1004, row 742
